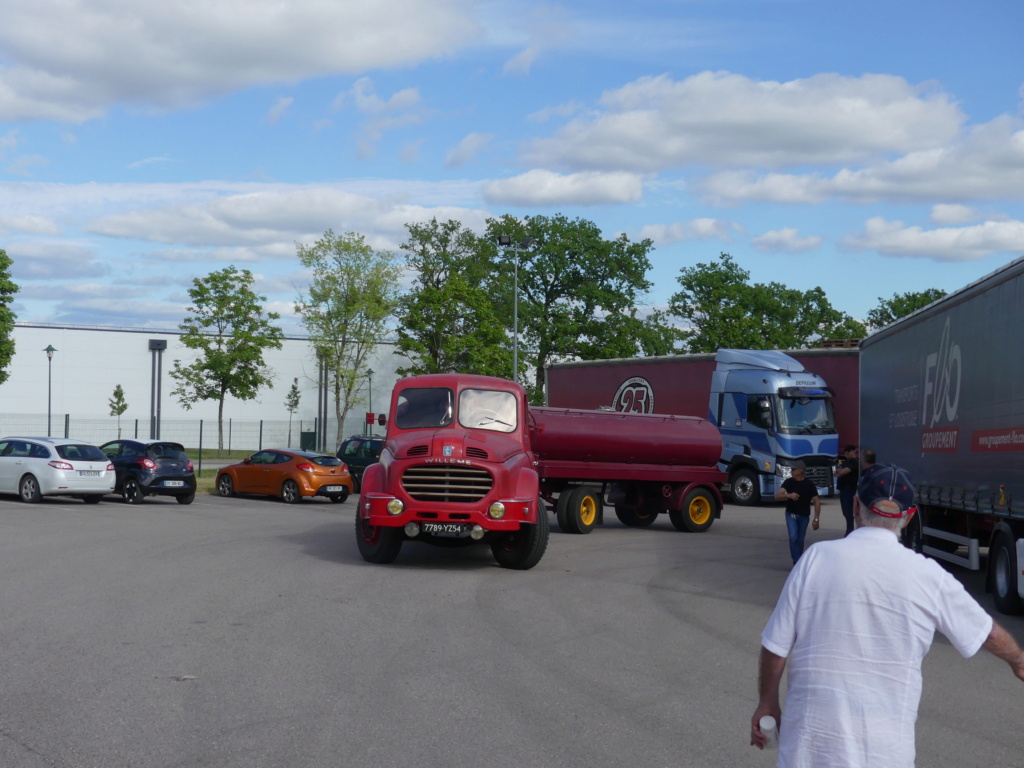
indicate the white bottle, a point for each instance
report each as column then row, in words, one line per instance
column 770, row 729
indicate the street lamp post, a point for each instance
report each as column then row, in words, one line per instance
column 49, row 386
column 505, row 241
column 369, row 397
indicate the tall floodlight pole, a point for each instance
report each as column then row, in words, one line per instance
column 369, row 400
column 49, row 385
column 505, row 241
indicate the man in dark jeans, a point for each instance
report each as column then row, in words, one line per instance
column 798, row 492
column 847, row 475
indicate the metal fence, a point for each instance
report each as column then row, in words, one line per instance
column 191, row 433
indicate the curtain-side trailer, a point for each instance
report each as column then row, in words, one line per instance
column 942, row 395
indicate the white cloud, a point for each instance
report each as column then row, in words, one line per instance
column 950, row 244
column 280, row 107
column 53, row 261
column 70, row 61
column 467, row 149
column 35, row 225
column 787, row 240
column 986, row 163
column 540, row 187
column 723, row 119
column 403, row 108
column 696, row 229
column 952, row 214
column 263, row 222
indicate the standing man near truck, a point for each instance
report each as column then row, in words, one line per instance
column 798, row 492
column 847, row 475
column 854, row 621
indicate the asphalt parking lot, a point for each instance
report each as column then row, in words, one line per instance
column 247, row 632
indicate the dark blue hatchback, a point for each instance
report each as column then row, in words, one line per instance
column 151, row 468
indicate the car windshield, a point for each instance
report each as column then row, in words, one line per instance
column 418, row 408
column 75, row 452
column 806, row 414
column 487, row 409
column 166, row 451
column 326, row 461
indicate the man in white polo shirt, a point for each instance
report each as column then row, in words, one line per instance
column 855, row 619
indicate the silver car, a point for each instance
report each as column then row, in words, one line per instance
column 33, row 467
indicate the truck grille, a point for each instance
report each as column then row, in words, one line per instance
column 446, row 483
column 820, row 476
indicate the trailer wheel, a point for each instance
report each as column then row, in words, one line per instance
column 697, row 514
column 377, row 544
column 637, row 518
column 578, row 510
column 746, row 491
column 1003, row 565
column 521, row 550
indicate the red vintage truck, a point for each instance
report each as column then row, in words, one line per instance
column 466, row 460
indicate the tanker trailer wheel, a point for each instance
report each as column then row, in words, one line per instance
column 521, row 550
column 637, row 518
column 697, row 514
column 578, row 510
column 1003, row 569
column 377, row 544
column 746, row 491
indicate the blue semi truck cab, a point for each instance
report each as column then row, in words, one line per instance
column 771, row 412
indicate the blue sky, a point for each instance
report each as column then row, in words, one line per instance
column 869, row 148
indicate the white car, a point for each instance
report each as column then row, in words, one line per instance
column 33, row 467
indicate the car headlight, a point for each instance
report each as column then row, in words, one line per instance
column 496, row 510
column 395, row 507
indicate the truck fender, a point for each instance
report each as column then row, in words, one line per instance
column 527, row 486
column 373, row 479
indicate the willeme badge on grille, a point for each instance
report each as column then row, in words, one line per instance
column 448, row 450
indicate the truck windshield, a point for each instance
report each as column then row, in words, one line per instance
column 425, row 407
column 806, row 415
column 487, row 409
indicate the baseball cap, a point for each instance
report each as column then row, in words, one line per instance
column 886, row 483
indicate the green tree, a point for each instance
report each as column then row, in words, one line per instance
column 231, row 332
column 901, row 305
column 118, row 405
column 721, row 308
column 352, row 297
column 448, row 321
column 577, row 293
column 7, row 291
column 291, row 403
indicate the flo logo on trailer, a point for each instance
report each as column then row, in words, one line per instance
column 942, row 372
column 635, row 395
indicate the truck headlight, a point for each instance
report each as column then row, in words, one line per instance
column 496, row 510
column 395, row 507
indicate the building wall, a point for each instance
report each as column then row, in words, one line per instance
column 90, row 362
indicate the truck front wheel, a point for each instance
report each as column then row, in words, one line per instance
column 521, row 550
column 697, row 514
column 377, row 544
column 1003, row 565
column 746, row 491
column 578, row 510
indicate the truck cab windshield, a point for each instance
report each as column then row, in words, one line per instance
column 426, row 407
column 806, row 415
column 487, row 409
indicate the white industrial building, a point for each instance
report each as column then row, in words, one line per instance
column 71, row 390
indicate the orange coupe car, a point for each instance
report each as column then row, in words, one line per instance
column 288, row 474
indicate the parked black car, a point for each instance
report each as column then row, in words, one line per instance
column 151, row 468
column 359, row 452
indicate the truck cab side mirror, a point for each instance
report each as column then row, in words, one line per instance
column 382, row 419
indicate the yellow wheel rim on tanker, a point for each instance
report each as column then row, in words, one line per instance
column 700, row 510
column 588, row 510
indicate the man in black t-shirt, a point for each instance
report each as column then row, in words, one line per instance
column 798, row 492
column 847, row 475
